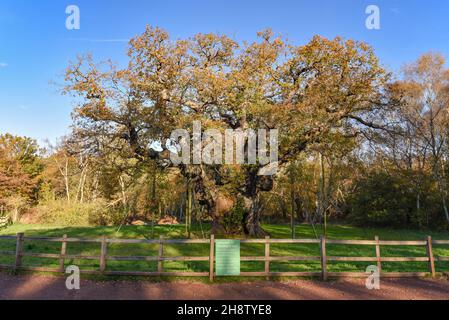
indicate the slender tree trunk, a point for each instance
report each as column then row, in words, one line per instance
column 124, row 198
column 66, row 179
column 16, row 215
column 441, row 188
column 444, row 193
column 82, row 188
column 293, row 204
column 153, row 195
column 82, row 182
column 160, row 210
column 292, row 217
column 446, row 212
column 322, row 208
column 189, row 209
column 95, row 184
column 153, row 191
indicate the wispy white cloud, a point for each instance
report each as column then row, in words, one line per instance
column 395, row 10
column 102, row 40
column 3, row 65
column 110, row 40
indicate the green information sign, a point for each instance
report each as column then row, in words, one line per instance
column 227, row 257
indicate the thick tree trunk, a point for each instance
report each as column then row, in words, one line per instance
column 217, row 227
column 254, row 184
column 219, row 202
column 252, row 225
column 300, row 214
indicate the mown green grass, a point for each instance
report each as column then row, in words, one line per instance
column 276, row 231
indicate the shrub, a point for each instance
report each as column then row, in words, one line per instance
column 385, row 200
column 233, row 222
column 59, row 212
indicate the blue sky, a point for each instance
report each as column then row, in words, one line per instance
column 35, row 45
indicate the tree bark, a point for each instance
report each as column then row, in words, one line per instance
column 252, row 222
column 293, row 204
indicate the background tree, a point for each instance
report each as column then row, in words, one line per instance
column 423, row 96
column 20, row 169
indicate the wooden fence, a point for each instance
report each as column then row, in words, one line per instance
column 323, row 258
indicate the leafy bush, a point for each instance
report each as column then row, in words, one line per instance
column 233, row 222
column 59, row 212
column 385, row 200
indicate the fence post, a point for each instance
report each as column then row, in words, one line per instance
column 323, row 258
column 63, row 253
column 19, row 251
column 160, row 266
column 104, row 249
column 211, row 257
column 431, row 257
column 378, row 257
column 267, row 257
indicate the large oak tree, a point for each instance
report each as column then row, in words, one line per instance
column 316, row 92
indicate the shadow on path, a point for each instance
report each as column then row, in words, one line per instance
column 53, row 288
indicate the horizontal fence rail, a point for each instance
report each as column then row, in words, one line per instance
column 19, row 253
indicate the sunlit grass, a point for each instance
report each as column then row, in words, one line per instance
column 178, row 231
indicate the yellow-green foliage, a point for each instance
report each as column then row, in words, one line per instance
column 60, row 212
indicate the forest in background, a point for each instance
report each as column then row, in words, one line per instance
column 358, row 144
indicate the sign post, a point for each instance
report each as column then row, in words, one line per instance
column 227, row 257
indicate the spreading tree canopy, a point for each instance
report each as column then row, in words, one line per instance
column 325, row 90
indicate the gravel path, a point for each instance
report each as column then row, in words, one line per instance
column 51, row 288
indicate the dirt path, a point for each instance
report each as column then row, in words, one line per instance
column 51, row 288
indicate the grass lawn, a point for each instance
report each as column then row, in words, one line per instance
column 276, row 231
